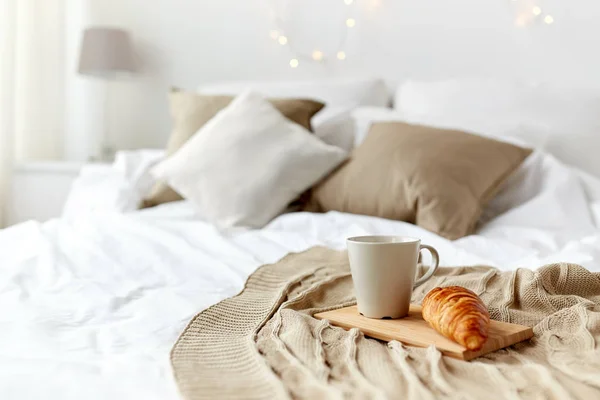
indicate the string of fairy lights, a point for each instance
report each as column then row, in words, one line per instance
column 278, row 34
column 526, row 12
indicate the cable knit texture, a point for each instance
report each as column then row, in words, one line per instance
column 265, row 344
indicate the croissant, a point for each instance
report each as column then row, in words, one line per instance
column 459, row 314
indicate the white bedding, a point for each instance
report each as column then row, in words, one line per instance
column 91, row 304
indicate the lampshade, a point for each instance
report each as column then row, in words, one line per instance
column 105, row 52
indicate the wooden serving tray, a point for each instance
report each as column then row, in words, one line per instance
column 412, row 330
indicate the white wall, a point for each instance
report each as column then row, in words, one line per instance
column 188, row 42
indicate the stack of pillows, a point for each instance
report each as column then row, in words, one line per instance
column 243, row 161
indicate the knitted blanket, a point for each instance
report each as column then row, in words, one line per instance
column 265, row 344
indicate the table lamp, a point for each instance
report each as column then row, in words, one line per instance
column 107, row 54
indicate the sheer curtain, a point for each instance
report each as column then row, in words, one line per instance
column 32, row 94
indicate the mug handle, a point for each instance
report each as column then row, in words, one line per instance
column 434, row 264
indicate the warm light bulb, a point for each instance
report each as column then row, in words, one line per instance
column 348, row 2
column 282, row 40
column 536, row 10
column 294, row 63
column 317, row 55
column 274, row 34
column 520, row 21
column 341, row 55
column 350, row 22
column 549, row 19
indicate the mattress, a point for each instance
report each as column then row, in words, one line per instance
column 91, row 305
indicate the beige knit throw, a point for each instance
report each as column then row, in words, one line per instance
column 264, row 344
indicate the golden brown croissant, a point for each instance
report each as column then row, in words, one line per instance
column 459, row 314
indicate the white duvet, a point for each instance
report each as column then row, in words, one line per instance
column 91, row 305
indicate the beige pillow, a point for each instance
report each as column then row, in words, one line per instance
column 438, row 179
column 190, row 111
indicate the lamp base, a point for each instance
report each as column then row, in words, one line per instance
column 107, row 155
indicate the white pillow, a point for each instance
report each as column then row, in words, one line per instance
column 334, row 93
column 520, row 135
column 543, row 193
column 335, row 126
column 462, row 98
column 247, row 164
column 364, row 117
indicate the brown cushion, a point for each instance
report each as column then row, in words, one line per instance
column 190, row 111
column 436, row 178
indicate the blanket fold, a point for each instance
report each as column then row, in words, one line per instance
column 265, row 344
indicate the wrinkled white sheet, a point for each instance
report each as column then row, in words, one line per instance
column 91, row 305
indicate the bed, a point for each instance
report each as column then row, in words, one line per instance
column 93, row 302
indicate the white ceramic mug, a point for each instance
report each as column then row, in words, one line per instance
column 383, row 271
